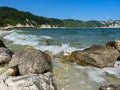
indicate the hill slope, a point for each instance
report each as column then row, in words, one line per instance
column 11, row 16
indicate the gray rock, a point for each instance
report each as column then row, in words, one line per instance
column 95, row 56
column 27, row 82
column 5, row 55
column 2, row 44
column 31, row 61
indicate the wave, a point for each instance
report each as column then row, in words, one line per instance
column 4, row 33
column 37, row 42
column 46, row 37
column 99, row 75
column 57, row 49
column 22, row 39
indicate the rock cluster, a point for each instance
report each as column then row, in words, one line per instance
column 29, row 69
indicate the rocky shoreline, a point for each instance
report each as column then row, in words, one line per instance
column 31, row 69
column 20, row 26
column 97, row 56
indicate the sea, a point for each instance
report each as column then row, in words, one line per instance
column 70, row 76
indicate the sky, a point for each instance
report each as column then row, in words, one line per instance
column 69, row 9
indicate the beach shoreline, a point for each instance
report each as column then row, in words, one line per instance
column 9, row 28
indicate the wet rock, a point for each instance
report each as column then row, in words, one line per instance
column 117, row 43
column 110, row 87
column 114, row 44
column 5, row 55
column 111, row 44
column 30, row 61
column 95, row 56
column 27, row 82
column 2, row 44
column 63, row 56
column 9, row 72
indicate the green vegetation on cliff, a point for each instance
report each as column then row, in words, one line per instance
column 11, row 16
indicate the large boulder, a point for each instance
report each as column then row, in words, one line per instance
column 5, row 55
column 31, row 61
column 2, row 44
column 95, row 56
column 27, row 82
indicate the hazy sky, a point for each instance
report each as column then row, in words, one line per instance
column 64, row 9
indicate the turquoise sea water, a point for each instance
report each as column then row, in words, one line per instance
column 70, row 76
column 76, row 37
column 72, row 37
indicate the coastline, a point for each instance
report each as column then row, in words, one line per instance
column 23, row 27
column 19, row 26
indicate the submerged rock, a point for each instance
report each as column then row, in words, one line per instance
column 27, row 82
column 31, row 61
column 5, row 55
column 29, row 47
column 45, row 42
column 95, row 56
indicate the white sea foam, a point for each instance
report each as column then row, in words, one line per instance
column 22, row 39
column 98, row 75
column 57, row 49
column 46, row 37
column 3, row 33
column 36, row 41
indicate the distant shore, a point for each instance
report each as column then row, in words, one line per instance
column 23, row 27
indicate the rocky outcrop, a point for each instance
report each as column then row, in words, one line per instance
column 31, row 61
column 5, row 55
column 27, row 82
column 110, row 87
column 95, row 56
column 2, row 44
